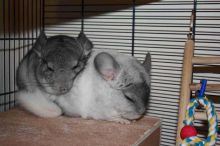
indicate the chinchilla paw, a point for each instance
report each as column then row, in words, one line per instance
column 121, row 121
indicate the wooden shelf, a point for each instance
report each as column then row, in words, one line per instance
column 19, row 128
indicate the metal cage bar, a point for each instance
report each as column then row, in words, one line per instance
column 22, row 21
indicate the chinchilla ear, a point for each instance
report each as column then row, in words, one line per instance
column 41, row 41
column 85, row 43
column 107, row 66
column 147, row 63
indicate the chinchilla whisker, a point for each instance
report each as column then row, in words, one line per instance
column 35, row 83
column 37, row 86
column 45, row 85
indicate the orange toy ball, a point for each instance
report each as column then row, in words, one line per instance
column 188, row 131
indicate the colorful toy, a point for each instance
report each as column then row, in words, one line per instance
column 188, row 132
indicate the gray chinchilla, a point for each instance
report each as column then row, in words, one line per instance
column 48, row 71
column 113, row 87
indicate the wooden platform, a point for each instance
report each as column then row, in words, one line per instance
column 19, row 128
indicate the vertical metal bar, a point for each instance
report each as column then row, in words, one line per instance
column 82, row 16
column 40, row 14
column 133, row 28
column 19, row 32
column 32, row 22
column 14, row 49
column 43, row 15
column 4, row 56
column 23, row 29
column 194, row 19
column 9, row 51
column 28, row 25
column 36, row 20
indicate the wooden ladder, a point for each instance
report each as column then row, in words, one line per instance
column 187, row 86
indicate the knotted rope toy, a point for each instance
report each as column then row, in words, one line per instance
column 188, row 132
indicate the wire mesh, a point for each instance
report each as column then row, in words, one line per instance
column 21, row 22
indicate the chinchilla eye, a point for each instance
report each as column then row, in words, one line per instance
column 74, row 67
column 50, row 69
column 129, row 99
column 48, row 66
column 128, row 85
column 77, row 68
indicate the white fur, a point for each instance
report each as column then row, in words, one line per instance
column 93, row 97
column 39, row 103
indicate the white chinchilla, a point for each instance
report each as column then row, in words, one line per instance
column 112, row 87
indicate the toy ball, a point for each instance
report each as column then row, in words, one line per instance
column 187, row 131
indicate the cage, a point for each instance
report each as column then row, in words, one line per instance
column 132, row 27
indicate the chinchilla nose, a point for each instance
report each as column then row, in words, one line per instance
column 62, row 70
column 63, row 89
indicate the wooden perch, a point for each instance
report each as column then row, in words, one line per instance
column 209, row 87
column 206, row 60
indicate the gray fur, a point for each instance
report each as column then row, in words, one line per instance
column 49, row 69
